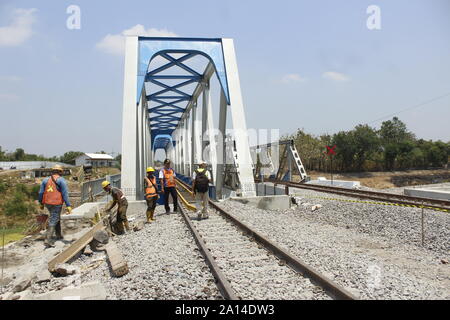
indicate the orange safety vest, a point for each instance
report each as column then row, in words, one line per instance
column 52, row 196
column 169, row 178
column 150, row 190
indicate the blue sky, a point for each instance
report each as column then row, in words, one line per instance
column 303, row 64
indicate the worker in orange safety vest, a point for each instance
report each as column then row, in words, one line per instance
column 151, row 193
column 53, row 194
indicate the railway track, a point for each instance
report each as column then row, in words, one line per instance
column 429, row 203
column 246, row 265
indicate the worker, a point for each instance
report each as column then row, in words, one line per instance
column 151, row 193
column 119, row 219
column 53, row 194
column 200, row 188
column 168, row 186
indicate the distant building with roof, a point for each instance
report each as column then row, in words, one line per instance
column 95, row 159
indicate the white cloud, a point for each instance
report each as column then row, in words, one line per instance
column 20, row 29
column 115, row 43
column 292, row 77
column 335, row 76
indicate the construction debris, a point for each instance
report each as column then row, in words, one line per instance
column 118, row 264
column 88, row 291
column 138, row 226
column 43, row 276
column 65, row 269
column 88, row 251
column 75, row 247
column 101, row 236
column 23, row 283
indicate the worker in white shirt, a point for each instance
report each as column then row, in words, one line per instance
column 200, row 187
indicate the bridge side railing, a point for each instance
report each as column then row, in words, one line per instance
column 91, row 189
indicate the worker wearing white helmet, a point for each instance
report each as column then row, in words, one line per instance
column 200, row 187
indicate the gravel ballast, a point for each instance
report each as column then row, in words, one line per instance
column 253, row 272
column 164, row 263
column 371, row 250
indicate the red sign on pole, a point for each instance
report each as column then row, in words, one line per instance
column 331, row 150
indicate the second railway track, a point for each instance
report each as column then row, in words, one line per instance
column 436, row 204
column 248, row 266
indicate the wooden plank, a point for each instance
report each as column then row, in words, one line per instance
column 75, row 247
column 118, row 264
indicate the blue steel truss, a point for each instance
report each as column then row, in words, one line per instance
column 164, row 117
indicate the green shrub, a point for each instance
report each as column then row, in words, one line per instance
column 2, row 187
column 21, row 188
column 34, row 192
column 31, row 192
column 17, row 205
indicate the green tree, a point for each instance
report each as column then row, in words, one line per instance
column 345, row 149
column 70, row 156
column 394, row 131
column 19, row 154
column 366, row 143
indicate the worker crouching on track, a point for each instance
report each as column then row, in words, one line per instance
column 151, row 193
column 119, row 219
column 200, row 188
column 168, row 186
column 53, row 194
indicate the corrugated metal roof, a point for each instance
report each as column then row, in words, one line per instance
column 99, row 156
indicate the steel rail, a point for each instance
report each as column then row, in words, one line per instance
column 222, row 282
column 373, row 195
column 329, row 286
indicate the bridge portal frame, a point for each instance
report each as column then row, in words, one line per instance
column 137, row 134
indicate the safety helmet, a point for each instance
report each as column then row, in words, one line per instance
column 150, row 169
column 105, row 183
column 57, row 168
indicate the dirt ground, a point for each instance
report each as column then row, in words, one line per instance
column 391, row 179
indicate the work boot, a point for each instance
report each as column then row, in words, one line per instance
column 149, row 216
column 58, row 231
column 119, row 228
column 127, row 226
column 49, row 242
column 152, row 213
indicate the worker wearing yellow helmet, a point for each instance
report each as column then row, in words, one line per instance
column 151, row 193
column 118, row 219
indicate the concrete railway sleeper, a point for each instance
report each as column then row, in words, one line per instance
column 254, row 268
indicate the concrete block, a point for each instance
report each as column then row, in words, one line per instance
column 22, row 283
column 43, row 276
column 89, row 291
column 434, row 193
column 266, row 202
column 118, row 264
column 337, row 183
column 65, row 269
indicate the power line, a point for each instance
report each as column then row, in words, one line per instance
column 412, row 107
